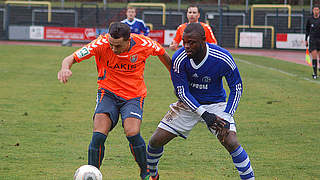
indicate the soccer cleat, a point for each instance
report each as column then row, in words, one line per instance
column 154, row 178
column 314, row 76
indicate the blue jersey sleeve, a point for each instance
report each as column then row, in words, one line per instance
column 144, row 28
column 180, row 81
column 235, row 85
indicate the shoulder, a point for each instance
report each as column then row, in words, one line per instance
column 222, row 55
column 178, row 59
column 204, row 25
column 139, row 20
column 182, row 26
column 124, row 21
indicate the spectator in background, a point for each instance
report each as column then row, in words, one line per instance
column 313, row 32
column 136, row 25
column 193, row 16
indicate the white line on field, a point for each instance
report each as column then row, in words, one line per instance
column 275, row 69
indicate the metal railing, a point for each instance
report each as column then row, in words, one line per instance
column 34, row 11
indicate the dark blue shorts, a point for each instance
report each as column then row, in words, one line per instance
column 109, row 103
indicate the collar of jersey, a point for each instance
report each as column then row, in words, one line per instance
column 132, row 43
column 203, row 60
column 131, row 22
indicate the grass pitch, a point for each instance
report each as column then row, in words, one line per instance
column 46, row 126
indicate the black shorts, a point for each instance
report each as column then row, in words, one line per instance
column 314, row 44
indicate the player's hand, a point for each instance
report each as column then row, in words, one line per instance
column 64, row 75
column 214, row 122
column 307, row 44
column 173, row 46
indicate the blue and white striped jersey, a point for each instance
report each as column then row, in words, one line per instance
column 202, row 84
column 136, row 26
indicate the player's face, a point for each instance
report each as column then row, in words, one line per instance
column 315, row 11
column 131, row 14
column 193, row 44
column 120, row 45
column 193, row 14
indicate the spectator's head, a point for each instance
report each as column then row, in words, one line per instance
column 131, row 13
column 119, row 38
column 194, row 40
column 193, row 13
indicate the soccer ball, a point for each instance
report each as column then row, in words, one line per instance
column 87, row 172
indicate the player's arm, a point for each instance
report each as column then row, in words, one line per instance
column 65, row 72
column 308, row 26
column 166, row 60
column 235, row 85
column 145, row 29
column 176, row 40
column 209, row 34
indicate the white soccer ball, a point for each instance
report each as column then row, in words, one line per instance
column 87, row 172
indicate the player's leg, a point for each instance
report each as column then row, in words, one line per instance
column 131, row 113
column 155, row 149
column 228, row 139
column 105, row 118
column 314, row 54
column 239, row 156
column 102, row 124
column 178, row 121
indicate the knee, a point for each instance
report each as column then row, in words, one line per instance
column 230, row 142
column 132, row 131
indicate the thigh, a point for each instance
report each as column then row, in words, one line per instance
column 312, row 45
column 106, row 104
column 132, row 108
column 179, row 120
column 218, row 109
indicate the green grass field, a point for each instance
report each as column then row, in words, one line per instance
column 46, row 126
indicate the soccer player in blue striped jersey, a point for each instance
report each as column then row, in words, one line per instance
column 197, row 72
column 136, row 25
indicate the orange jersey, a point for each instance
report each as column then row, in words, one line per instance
column 121, row 74
column 209, row 34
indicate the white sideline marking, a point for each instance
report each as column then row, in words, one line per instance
column 275, row 69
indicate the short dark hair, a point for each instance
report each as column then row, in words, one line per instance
column 192, row 5
column 119, row 30
column 195, row 28
column 316, row 6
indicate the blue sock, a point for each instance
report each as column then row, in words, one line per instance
column 153, row 157
column 138, row 150
column 242, row 162
column 96, row 149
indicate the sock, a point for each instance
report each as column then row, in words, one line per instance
column 242, row 162
column 153, row 157
column 138, row 150
column 314, row 66
column 96, row 149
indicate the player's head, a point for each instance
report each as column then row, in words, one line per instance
column 315, row 10
column 194, row 40
column 193, row 13
column 131, row 13
column 119, row 38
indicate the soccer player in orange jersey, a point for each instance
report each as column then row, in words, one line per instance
column 193, row 16
column 120, row 59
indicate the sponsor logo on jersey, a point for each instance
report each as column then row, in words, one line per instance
column 134, row 58
column 122, row 66
column 199, row 86
column 82, row 52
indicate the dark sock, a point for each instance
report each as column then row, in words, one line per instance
column 314, row 66
column 96, row 149
column 138, row 150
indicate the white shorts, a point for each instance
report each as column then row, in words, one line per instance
column 180, row 119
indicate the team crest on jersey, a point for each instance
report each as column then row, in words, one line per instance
column 134, row 58
column 206, row 79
